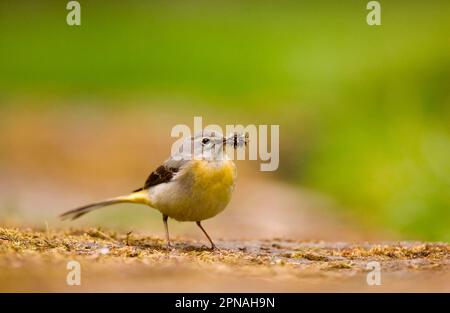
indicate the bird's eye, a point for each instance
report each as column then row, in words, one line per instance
column 205, row 141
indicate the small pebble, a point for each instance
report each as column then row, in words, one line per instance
column 104, row 250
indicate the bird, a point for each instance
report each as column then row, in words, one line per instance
column 194, row 184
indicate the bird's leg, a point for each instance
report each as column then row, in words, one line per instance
column 166, row 227
column 213, row 246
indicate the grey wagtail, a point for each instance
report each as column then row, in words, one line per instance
column 194, row 184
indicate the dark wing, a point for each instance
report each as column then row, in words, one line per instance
column 162, row 174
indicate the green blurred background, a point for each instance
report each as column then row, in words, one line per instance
column 364, row 111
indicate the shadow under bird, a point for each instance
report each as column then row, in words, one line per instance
column 191, row 186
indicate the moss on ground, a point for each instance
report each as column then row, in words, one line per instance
column 286, row 263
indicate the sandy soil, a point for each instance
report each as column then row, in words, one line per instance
column 36, row 260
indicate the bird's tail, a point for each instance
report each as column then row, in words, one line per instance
column 135, row 197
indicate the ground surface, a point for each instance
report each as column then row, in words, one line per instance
column 36, row 260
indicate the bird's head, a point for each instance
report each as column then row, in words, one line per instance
column 212, row 145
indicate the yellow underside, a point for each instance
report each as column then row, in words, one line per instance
column 202, row 191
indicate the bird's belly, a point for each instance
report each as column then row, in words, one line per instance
column 202, row 192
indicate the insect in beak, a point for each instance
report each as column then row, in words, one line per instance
column 236, row 140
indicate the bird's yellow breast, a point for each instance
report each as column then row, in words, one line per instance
column 212, row 187
column 202, row 190
column 215, row 179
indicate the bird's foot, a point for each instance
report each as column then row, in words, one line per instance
column 210, row 248
column 169, row 247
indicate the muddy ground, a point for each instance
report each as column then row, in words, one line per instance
column 36, row 260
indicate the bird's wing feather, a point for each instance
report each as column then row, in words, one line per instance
column 163, row 174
